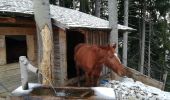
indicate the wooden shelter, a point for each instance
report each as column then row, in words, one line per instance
column 18, row 38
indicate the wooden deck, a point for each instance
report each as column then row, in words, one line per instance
column 10, row 78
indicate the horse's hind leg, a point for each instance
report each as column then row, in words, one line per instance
column 87, row 79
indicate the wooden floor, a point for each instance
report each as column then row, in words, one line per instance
column 10, row 78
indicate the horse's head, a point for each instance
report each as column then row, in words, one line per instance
column 113, row 62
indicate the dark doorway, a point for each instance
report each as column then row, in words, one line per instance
column 15, row 47
column 73, row 38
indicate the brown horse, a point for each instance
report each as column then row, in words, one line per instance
column 90, row 59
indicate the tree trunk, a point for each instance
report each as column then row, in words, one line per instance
column 149, row 50
column 74, row 4
column 113, row 16
column 164, row 79
column 62, row 3
column 97, row 8
column 125, row 34
column 84, row 6
column 143, row 38
column 45, row 40
column 112, row 6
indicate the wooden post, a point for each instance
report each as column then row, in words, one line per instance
column 25, row 66
column 45, row 40
column 149, row 49
column 142, row 58
column 24, row 73
column 2, row 50
column 125, row 34
column 113, row 16
column 63, row 57
column 112, row 6
column 30, row 47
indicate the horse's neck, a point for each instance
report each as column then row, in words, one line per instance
column 101, row 55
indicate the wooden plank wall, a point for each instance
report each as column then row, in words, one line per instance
column 60, row 62
column 96, row 37
column 56, row 70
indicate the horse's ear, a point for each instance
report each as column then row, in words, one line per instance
column 113, row 45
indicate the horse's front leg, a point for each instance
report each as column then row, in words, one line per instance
column 96, row 79
column 96, row 75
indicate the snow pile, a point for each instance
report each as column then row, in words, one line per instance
column 103, row 93
column 19, row 91
column 128, row 89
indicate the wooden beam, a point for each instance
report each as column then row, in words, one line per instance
column 17, row 31
column 17, row 20
column 63, row 56
column 23, row 21
column 60, row 25
column 7, row 20
column 137, row 76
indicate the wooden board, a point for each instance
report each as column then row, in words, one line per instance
column 63, row 56
column 137, row 76
column 2, row 50
column 30, row 47
column 17, row 30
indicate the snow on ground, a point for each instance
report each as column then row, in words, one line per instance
column 128, row 89
column 19, row 91
column 125, row 89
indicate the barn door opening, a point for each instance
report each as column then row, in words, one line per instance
column 73, row 38
column 15, row 46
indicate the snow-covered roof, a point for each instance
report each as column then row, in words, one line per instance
column 68, row 18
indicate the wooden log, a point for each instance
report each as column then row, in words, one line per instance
column 137, row 76
column 30, row 47
column 45, row 40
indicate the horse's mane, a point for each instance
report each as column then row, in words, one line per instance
column 104, row 47
column 77, row 47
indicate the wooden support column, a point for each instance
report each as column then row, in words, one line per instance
column 63, row 56
column 2, row 50
column 30, row 47
column 45, row 40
